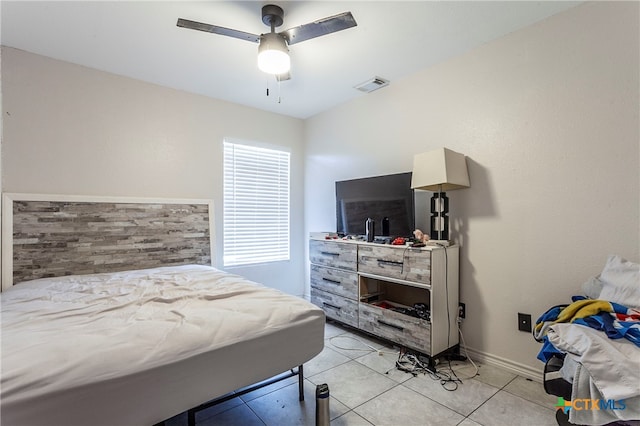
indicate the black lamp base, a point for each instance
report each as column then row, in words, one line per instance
column 439, row 218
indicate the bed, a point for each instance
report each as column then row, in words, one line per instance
column 148, row 329
column 591, row 349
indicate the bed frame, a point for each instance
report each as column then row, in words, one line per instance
column 57, row 235
column 191, row 413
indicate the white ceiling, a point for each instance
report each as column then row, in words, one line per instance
column 141, row 40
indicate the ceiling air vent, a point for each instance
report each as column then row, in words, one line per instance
column 372, row 84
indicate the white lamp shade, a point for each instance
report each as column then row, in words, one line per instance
column 439, row 170
column 273, row 54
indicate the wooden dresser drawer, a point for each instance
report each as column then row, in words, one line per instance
column 333, row 254
column 403, row 329
column 336, row 307
column 405, row 295
column 336, row 281
column 403, row 263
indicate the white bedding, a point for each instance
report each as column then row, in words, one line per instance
column 606, row 369
column 137, row 347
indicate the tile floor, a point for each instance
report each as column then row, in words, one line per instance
column 366, row 389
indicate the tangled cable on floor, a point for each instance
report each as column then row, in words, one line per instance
column 416, row 364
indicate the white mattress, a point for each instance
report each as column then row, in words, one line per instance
column 137, row 347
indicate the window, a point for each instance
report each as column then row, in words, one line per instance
column 256, row 204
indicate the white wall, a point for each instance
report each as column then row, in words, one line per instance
column 74, row 130
column 1, row 137
column 548, row 117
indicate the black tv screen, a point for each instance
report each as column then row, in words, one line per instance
column 379, row 197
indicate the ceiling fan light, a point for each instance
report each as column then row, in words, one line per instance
column 273, row 54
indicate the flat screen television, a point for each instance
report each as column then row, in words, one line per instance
column 378, row 197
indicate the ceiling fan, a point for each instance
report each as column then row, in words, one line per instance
column 273, row 52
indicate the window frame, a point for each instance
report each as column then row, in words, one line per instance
column 244, row 207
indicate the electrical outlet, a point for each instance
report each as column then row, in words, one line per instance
column 462, row 310
column 524, row 322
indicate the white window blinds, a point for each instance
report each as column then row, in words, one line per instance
column 256, row 204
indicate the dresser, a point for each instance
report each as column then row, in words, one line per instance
column 406, row 295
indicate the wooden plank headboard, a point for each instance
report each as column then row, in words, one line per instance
column 55, row 235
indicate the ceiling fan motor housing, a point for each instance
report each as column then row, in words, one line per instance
column 272, row 15
column 273, row 56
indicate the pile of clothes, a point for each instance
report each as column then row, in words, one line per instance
column 591, row 349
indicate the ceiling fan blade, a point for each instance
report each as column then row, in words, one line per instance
column 193, row 25
column 319, row 28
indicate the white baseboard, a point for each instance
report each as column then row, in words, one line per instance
column 523, row 370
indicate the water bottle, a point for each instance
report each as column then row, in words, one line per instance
column 322, row 405
column 370, row 226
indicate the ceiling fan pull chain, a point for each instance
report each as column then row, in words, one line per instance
column 279, row 98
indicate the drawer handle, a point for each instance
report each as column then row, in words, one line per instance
column 397, row 327
column 330, row 281
column 329, row 253
column 390, row 262
column 329, row 305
